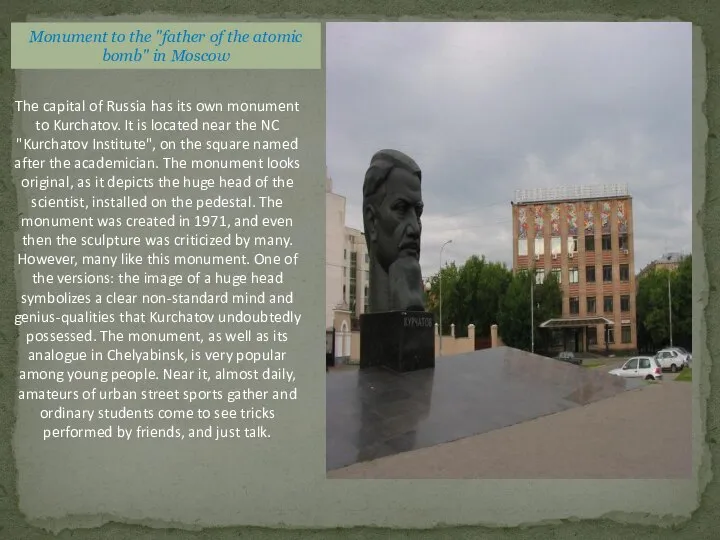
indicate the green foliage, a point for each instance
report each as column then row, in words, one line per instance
column 471, row 294
column 515, row 315
column 652, row 305
column 485, row 293
column 685, row 375
column 449, row 276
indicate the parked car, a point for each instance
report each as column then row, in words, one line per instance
column 569, row 357
column 640, row 367
column 671, row 359
column 685, row 353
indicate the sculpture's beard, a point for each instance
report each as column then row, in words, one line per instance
column 405, row 284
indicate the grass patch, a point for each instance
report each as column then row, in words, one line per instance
column 685, row 375
column 593, row 364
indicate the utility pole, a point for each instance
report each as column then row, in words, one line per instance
column 440, row 306
column 532, row 311
column 669, row 258
column 670, row 309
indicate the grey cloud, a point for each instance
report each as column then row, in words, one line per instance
column 487, row 108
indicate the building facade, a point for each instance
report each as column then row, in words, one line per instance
column 356, row 272
column 584, row 236
column 334, row 245
column 347, row 271
column 669, row 262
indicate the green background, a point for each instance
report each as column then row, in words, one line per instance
column 305, row 55
column 703, row 523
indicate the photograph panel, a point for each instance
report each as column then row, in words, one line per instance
column 509, row 250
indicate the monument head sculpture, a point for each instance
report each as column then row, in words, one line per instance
column 392, row 207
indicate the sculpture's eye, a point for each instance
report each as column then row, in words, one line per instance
column 401, row 207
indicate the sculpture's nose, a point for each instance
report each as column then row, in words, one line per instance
column 413, row 228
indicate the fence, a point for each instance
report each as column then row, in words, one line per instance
column 451, row 344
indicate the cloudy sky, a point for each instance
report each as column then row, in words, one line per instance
column 488, row 108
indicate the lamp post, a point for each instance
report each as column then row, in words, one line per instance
column 440, row 299
column 532, row 311
column 670, row 308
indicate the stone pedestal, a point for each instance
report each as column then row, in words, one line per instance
column 398, row 340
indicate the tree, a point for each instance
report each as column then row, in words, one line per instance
column 652, row 310
column 653, row 307
column 515, row 314
column 682, row 304
column 481, row 285
column 514, row 319
column 471, row 294
column 548, row 305
column 449, row 276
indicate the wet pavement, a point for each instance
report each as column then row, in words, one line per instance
column 376, row 413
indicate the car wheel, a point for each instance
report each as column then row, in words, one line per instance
column 649, row 378
column 673, row 368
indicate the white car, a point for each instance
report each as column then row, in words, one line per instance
column 671, row 359
column 640, row 367
column 685, row 353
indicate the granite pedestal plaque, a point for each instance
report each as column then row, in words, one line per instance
column 398, row 340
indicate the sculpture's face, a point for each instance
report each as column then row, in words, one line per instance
column 397, row 223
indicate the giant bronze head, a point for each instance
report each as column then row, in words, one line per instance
column 392, row 207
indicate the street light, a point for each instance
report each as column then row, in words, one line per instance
column 670, row 309
column 440, row 299
column 532, row 310
column 669, row 258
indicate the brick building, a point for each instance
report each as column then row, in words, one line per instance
column 583, row 234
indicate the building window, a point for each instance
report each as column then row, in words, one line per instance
column 573, row 275
column 608, row 304
column 367, row 258
column 353, row 276
column 522, row 247
column 592, row 335
column 590, row 274
column 590, row 243
column 607, row 273
column 610, row 335
column 344, row 253
column 540, row 276
column 572, row 244
column 626, row 334
column 556, row 272
column 624, row 241
column 624, row 272
column 574, row 305
column 539, row 246
column 344, row 293
column 625, row 303
column 606, row 242
column 591, row 304
column 555, row 245
column 366, row 301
